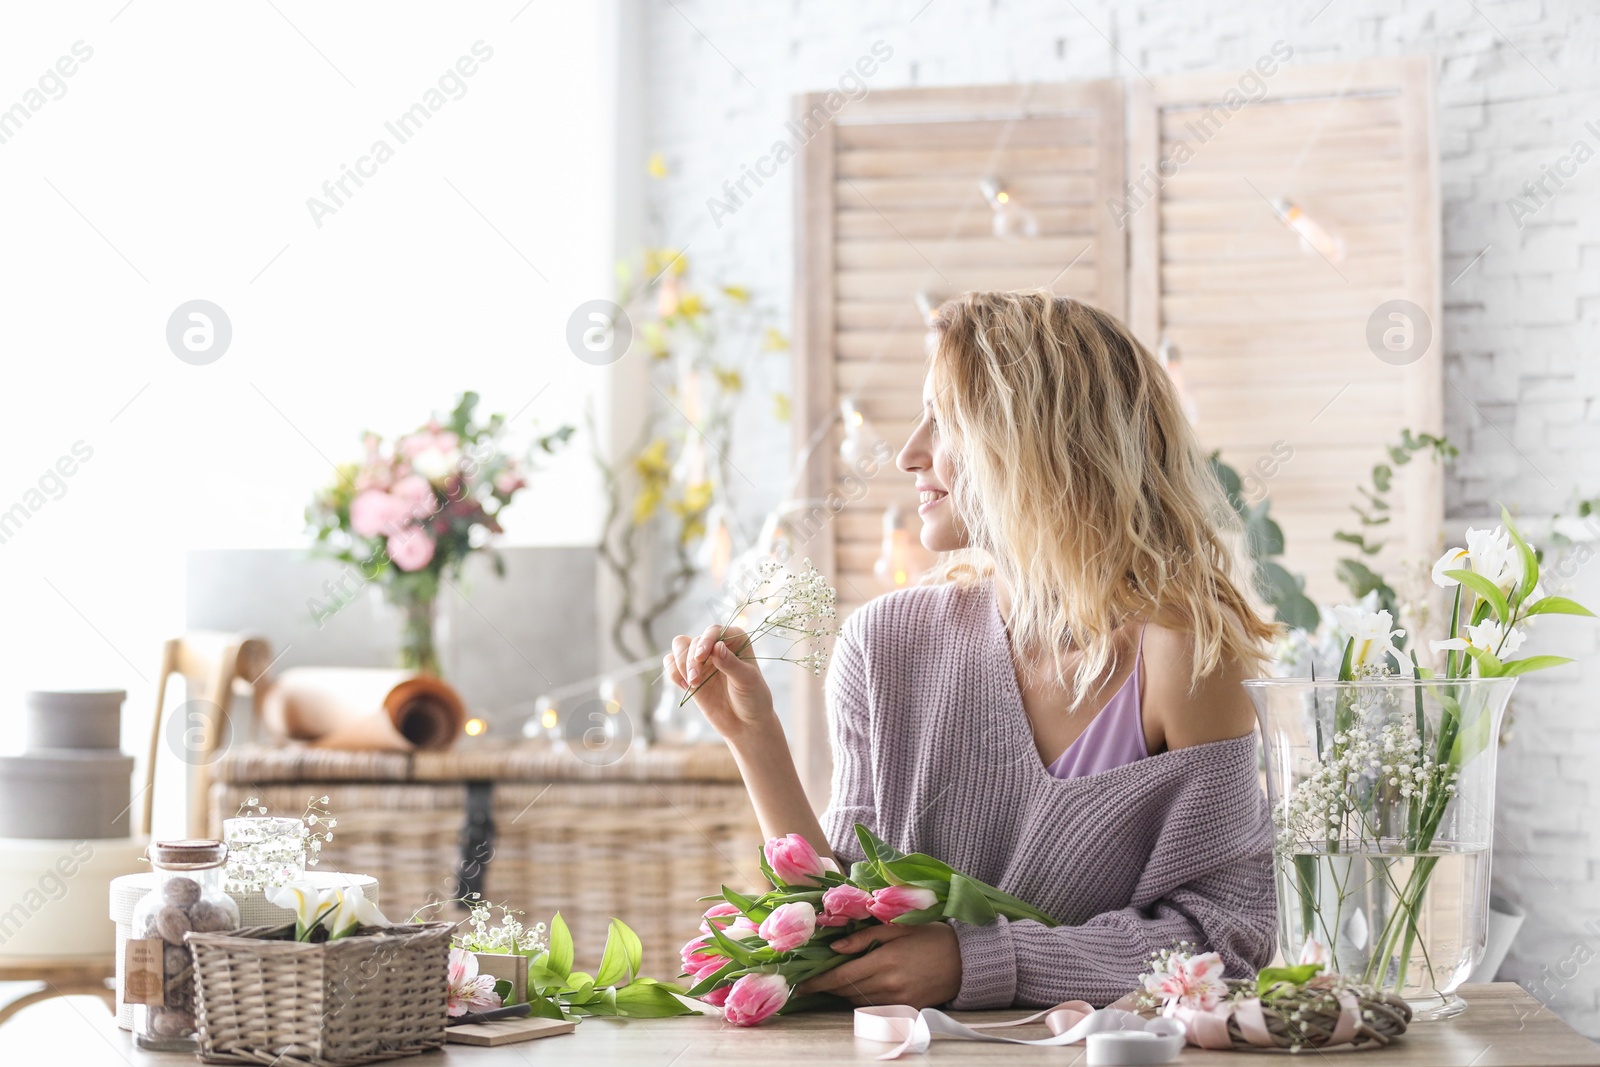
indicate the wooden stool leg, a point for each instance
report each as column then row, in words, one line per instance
column 38, row 995
column 80, row 988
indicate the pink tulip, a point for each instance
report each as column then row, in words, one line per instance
column 843, row 903
column 374, row 512
column 696, row 959
column 718, row 996
column 729, row 913
column 891, row 902
column 754, row 997
column 411, row 549
column 793, row 860
column 705, row 969
column 789, row 926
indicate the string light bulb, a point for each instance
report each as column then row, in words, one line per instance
column 1314, row 237
column 1011, row 219
column 929, row 310
column 543, row 721
column 860, row 439
column 475, row 727
column 716, row 547
column 1167, row 353
column 902, row 558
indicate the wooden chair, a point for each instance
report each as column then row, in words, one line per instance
column 215, row 668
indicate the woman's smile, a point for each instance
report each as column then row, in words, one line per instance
column 931, row 498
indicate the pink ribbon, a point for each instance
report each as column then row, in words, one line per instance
column 1209, row 1028
column 1152, row 1040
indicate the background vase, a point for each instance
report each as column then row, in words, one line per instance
column 419, row 635
column 1382, row 795
column 1505, row 919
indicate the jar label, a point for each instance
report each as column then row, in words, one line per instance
column 141, row 972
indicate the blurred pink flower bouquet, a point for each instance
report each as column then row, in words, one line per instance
column 753, row 951
column 407, row 516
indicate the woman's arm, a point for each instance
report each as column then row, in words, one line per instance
column 736, row 701
column 769, row 775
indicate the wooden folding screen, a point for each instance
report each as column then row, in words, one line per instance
column 1272, row 333
column 1197, row 255
column 889, row 207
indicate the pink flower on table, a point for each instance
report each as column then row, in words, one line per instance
column 1314, row 951
column 697, row 960
column 789, row 926
column 793, row 860
column 721, row 916
column 411, row 549
column 467, row 989
column 755, row 997
column 719, row 996
column 891, row 902
column 1189, row 981
column 844, row 903
column 374, row 512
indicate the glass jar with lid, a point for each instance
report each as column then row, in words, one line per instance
column 188, row 895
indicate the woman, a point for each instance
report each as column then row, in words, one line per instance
column 1058, row 712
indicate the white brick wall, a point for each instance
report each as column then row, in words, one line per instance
column 1518, row 82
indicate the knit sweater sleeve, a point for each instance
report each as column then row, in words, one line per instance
column 1225, row 903
column 849, row 714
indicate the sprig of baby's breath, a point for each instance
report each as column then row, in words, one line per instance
column 479, row 933
column 798, row 605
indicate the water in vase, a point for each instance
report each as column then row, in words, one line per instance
column 1407, row 922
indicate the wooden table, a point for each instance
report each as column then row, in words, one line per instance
column 1504, row 1026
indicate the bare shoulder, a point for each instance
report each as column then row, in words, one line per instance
column 1216, row 709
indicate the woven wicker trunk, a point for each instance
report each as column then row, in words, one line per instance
column 540, row 831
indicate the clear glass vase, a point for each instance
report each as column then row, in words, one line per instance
column 1382, row 796
column 264, row 852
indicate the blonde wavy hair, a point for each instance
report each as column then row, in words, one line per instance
column 1082, row 486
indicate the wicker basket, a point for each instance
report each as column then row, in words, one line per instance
column 263, row 997
column 638, row 840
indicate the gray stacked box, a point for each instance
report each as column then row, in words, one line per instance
column 72, row 780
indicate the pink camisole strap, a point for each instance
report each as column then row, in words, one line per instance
column 1114, row 737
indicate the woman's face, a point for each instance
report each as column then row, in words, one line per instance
column 926, row 457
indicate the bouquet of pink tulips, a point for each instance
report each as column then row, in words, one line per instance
column 753, row 951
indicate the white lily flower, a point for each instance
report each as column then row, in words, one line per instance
column 1374, row 641
column 354, row 909
column 310, row 904
column 1454, row 559
column 1487, row 636
column 338, row 910
column 1489, row 554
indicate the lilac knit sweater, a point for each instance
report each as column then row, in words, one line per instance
column 933, row 751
